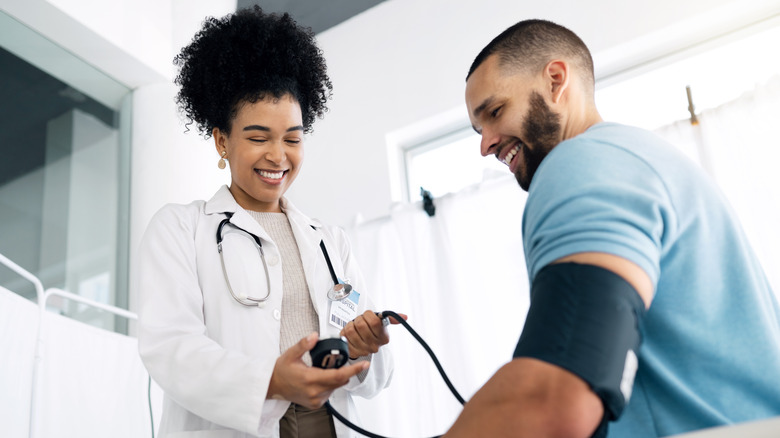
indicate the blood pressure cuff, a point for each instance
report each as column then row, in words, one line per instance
column 587, row 320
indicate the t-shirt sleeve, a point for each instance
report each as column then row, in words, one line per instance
column 593, row 197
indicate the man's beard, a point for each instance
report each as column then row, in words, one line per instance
column 543, row 127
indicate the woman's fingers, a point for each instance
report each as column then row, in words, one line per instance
column 294, row 381
column 365, row 334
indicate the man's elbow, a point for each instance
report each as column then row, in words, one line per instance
column 569, row 416
column 556, row 403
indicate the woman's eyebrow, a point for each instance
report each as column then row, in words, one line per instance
column 267, row 129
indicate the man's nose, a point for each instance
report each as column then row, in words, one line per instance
column 489, row 143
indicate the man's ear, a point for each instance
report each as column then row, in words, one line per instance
column 556, row 74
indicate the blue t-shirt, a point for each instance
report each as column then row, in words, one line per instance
column 711, row 341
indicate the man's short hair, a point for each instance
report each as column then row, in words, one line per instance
column 530, row 44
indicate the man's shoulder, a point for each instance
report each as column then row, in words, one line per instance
column 612, row 139
column 590, row 160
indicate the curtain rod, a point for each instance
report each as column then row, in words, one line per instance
column 691, row 108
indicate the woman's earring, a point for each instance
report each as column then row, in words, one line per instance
column 221, row 162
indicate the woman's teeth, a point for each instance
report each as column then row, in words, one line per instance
column 271, row 175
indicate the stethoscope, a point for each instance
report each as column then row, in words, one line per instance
column 332, row 352
column 339, row 290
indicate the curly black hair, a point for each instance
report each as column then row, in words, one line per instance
column 245, row 57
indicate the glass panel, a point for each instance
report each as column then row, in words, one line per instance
column 62, row 185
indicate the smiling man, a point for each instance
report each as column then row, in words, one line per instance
column 650, row 314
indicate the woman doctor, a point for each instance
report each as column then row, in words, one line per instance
column 225, row 329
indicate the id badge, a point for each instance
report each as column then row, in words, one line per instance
column 344, row 311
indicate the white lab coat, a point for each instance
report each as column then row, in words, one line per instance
column 212, row 356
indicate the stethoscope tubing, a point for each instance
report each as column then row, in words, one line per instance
column 330, row 265
column 428, row 349
column 252, row 302
column 248, row 301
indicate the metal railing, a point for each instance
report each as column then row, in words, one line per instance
column 42, row 297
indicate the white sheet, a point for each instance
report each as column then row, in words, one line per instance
column 92, row 383
column 18, row 331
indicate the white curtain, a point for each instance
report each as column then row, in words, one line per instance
column 90, row 382
column 738, row 143
column 461, row 276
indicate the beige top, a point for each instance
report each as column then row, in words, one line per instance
column 299, row 318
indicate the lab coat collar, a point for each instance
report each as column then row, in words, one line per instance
column 223, row 202
column 291, row 211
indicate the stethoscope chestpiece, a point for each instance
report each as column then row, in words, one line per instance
column 339, row 291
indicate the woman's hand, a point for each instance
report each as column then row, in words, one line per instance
column 299, row 383
column 366, row 333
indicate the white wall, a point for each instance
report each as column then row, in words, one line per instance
column 404, row 61
column 168, row 163
column 396, row 65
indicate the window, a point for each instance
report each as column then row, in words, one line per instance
column 64, row 179
column 649, row 96
column 448, row 163
column 656, row 96
column 440, row 154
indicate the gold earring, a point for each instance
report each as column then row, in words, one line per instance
column 221, row 162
